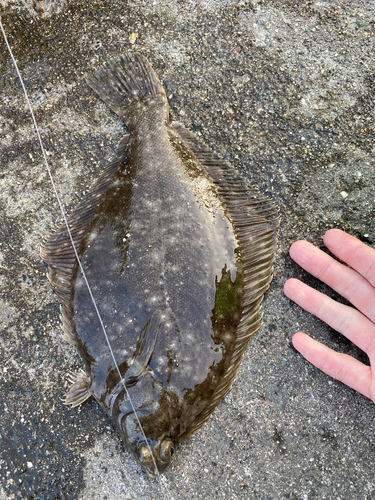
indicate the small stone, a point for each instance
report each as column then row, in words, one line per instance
column 132, row 38
column 344, row 194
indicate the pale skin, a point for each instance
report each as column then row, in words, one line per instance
column 357, row 284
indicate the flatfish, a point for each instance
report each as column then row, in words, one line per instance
column 179, row 252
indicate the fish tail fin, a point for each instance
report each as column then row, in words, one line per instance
column 125, row 81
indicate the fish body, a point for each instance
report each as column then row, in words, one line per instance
column 178, row 251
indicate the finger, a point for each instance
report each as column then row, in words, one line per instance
column 352, row 251
column 346, row 281
column 340, row 366
column 346, row 320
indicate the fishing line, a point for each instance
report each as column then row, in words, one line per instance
column 160, row 479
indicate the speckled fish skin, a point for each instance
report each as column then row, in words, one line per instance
column 178, row 252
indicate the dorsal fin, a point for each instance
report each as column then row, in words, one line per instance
column 256, row 221
column 57, row 250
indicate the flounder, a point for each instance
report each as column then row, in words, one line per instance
column 179, row 252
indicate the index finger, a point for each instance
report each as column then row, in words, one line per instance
column 345, row 280
column 352, row 251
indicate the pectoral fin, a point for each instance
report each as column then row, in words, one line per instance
column 133, row 368
column 144, row 349
column 79, row 391
column 147, row 341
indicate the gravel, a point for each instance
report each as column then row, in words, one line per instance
column 284, row 90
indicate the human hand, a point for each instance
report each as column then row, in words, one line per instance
column 357, row 284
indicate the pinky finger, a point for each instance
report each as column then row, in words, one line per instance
column 340, row 366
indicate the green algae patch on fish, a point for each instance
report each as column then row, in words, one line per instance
column 179, row 251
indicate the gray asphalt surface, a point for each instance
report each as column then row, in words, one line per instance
column 285, row 91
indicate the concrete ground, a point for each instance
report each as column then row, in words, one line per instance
column 285, row 91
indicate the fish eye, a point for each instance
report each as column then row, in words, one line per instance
column 144, row 455
column 166, row 450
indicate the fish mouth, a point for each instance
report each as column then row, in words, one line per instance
column 150, row 471
column 151, row 475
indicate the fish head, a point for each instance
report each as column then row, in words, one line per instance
column 152, row 454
